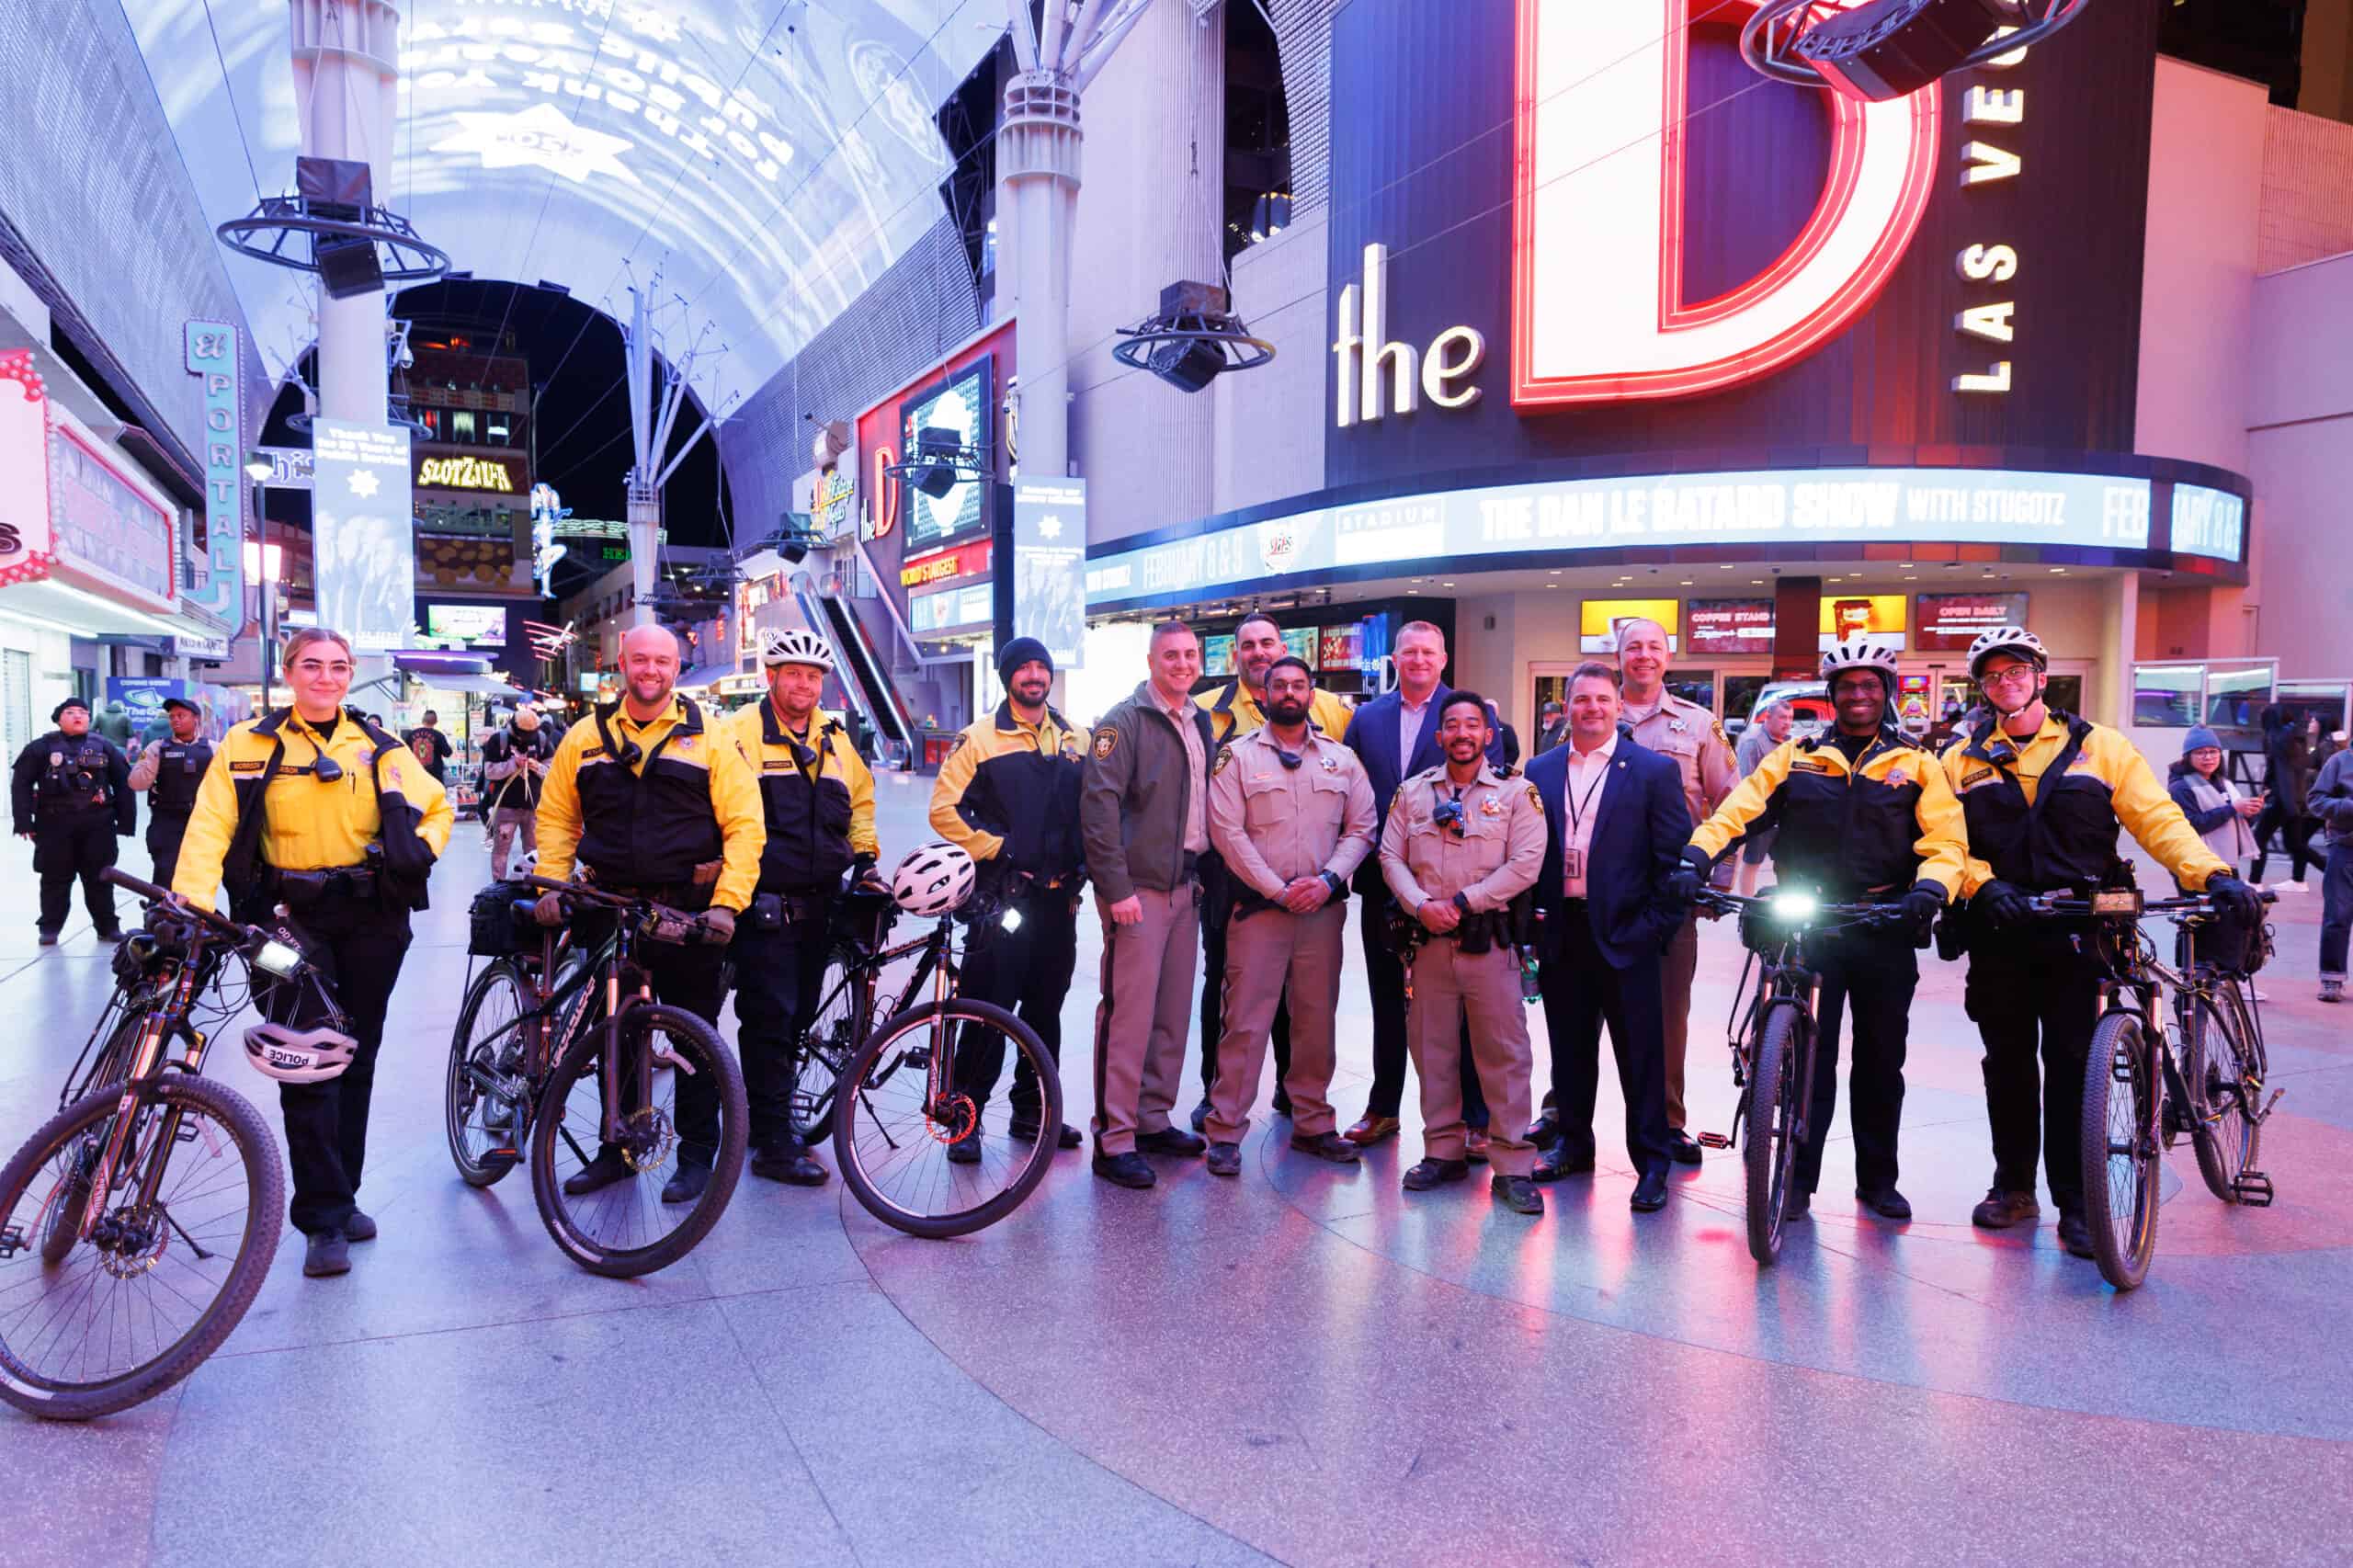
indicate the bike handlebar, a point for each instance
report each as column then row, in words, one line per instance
column 156, row 895
column 2194, row 904
column 659, row 915
column 1735, row 904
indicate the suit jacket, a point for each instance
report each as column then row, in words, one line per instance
column 1637, row 839
column 1372, row 735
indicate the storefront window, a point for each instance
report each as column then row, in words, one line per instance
column 2237, row 698
column 2065, row 693
column 2323, row 699
column 461, row 425
column 1694, row 685
column 2165, row 696
column 1740, row 699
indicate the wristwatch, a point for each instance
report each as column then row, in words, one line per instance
column 1462, row 903
column 1338, row 886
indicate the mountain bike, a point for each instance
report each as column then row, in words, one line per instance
column 555, row 1061
column 1774, row 1039
column 2139, row 1095
column 913, row 1139
column 851, row 994
column 138, row 1224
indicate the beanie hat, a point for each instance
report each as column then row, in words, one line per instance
column 1019, row 652
column 58, row 711
column 2199, row 739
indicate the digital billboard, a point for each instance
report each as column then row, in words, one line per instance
column 2209, row 522
column 1217, row 655
column 1728, row 626
column 1600, row 621
column 960, row 404
column 1880, row 618
column 1950, row 622
column 363, row 545
column 477, row 626
column 1048, row 566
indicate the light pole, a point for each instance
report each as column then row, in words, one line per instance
column 261, row 565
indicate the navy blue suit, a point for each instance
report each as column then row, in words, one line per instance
column 1373, row 735
column 1599, row 956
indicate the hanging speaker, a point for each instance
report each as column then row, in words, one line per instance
column 1890, row 48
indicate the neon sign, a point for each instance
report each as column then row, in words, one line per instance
column 1605, row 322
column 464, row 473
column 212, row 359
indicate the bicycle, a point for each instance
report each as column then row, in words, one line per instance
column 913, row 1144
column 137, row 1225
column 570, row 1071
column 2138, row 1097
column 1773, row 1041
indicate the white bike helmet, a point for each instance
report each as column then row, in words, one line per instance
column 933, row 879
column 2014, row 640
column 299, row 1056
column 1859, row 654
column 798, row 647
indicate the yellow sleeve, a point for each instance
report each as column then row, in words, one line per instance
column 1975, row 873
column 1746, row 803
column 956, row 776
column 1330, row 715
column 2149, row 815
column 1943, row 844
column 559, row 815
column 742, row 827
column 861, row 798
column 211, row 826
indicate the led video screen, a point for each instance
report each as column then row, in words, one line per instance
column 960, row 404
column 364, row 545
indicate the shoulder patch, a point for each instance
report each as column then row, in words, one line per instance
column 1722, row 739
column 1106, row 739
column 957, row 745
column 1534, row 798
column 1224, row 755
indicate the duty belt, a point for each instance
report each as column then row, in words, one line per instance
column 296, row 889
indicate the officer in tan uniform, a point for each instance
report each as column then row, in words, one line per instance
column 1290, row 809
column 1664, row 722
column 1461, row 842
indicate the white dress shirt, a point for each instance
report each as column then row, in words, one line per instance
column 1409, row 730
column 1588, row 771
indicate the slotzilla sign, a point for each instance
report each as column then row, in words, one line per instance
column 1822, row 506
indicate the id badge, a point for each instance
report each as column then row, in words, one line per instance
column 1573, row 864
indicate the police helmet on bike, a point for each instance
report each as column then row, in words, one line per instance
column 299, row 1056
column 933, row 879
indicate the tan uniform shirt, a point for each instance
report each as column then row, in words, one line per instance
column 1197, row 833
column 1491, row 861
column 1689, row 733
column 1275, row 825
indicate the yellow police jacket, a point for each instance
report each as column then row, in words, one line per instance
column 820, row 812
column 2098, row 780
column 701, row 803
column 306, row 825
column 1234, row 711
column 1878, row 824
column 1009, row 790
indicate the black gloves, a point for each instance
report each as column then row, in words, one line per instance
column 718, row 925
column 2239, row 901
column 1690, row 878
column 1922, row 905
column 2002, row 904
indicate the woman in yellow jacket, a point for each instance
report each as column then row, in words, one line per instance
column 317, row 811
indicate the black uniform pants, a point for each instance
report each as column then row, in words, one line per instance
column 1214, row 1011
column 1028, row 973
column 356, row 945
column 1385, row 978
column 691, row 976
column 778, row 977
column 66, row 848
column 2025, row 992
column 2276, row 819
column 1582, row 992
column 1870, row 977
column 165, row 830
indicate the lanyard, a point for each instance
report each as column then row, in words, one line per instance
column 1575, row 806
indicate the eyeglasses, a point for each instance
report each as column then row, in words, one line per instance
column 2011, row 677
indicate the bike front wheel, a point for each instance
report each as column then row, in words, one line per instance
column 120, row 1317
column 2120, row 1151
column 922, row 1142
column 1776, row 1093
column 486, row 1095
column 831, row 1035
column 694, row 1114
column 2224, row 1074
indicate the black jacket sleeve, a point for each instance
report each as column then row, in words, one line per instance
column 126, row 803
column 21, row 788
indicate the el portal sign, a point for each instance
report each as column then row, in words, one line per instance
column 1599, row 309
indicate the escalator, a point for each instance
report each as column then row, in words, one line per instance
column 863, row 675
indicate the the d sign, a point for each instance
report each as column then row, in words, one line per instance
column 1598, row 308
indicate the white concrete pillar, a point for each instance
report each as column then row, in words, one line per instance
column 1038, row 175
column 346, row 79
column 2111, row 696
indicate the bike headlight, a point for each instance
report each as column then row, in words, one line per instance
column 1792, row 907
column 1011, row 920
column 276, row 958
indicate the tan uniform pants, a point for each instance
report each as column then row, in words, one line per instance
column 1270, row 949
column 1448, row 983
column 1681, row 963
column 1144, row 1015
column 506, row 821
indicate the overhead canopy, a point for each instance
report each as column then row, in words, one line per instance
column 769, row 158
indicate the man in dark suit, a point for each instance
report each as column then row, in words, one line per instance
column 1395, row 736
column 1616, row 823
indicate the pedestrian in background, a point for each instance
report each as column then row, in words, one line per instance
column 2332, row 802
column 169, row 771
column 2218, row 812
column 72, row 797
column 1770, row 727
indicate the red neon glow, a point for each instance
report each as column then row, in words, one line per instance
column 1771, row 349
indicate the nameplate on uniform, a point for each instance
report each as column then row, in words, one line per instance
column 253, row 766
column 772, row 763
column 1809, row 764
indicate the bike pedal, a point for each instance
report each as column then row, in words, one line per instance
column 12, row 1241
column 1712, row 1140
column 2253, row 1189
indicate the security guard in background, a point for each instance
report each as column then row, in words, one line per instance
column 1461, row 842
column 1863, row 814
column 170, row 770
column 2026, row 978
column 1661, row 721
column 1009, row 794
column 314, row 809
column 72, row 797
column 647, row 801
column 818, row 801
column 1290, row 809
column 1235, row 709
